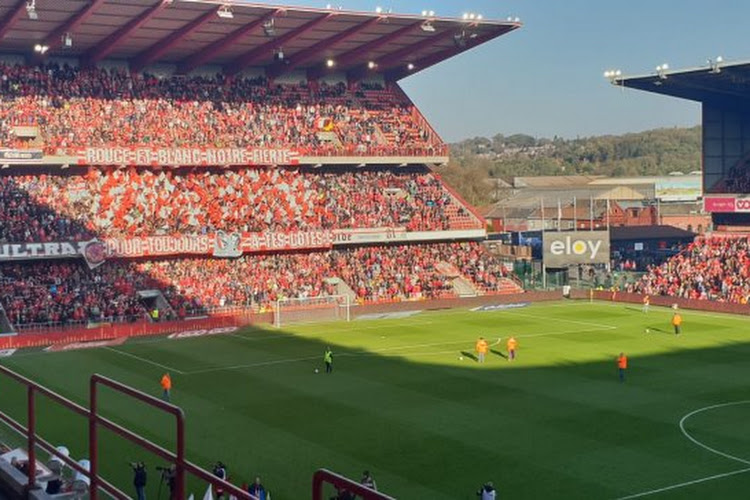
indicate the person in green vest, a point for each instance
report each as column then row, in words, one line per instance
column 328, row 360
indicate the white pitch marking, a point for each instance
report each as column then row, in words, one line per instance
column 123, row 353
column 377, row 351
column 706, row 447
column 688, row 483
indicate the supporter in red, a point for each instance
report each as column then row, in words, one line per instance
column 715, row 268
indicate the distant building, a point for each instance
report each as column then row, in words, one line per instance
column 586, row 202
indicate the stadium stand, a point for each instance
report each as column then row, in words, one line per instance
column 74, row 107
column 60, row 293
column 714, row 268
column 143, row 202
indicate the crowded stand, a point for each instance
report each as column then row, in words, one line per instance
column 74, row 108
column 708, row 269
column 66, row 292
column 141, row 202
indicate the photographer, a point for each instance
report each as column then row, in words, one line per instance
column 220, row 471
column 139, row 479
column 487, row 492
column 168, row 475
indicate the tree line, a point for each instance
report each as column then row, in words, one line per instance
column 653, row 152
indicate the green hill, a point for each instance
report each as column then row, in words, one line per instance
column 653, row 152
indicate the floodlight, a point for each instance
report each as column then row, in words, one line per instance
column 424, row 13
column 378, row 10
column 410, row 66
column 465, row 16
column 428, row 27
column 479, row 17
column 31, row 9
column 225, row 12
column 330, row 63
column 269, row 28
column 719, row 59
column 371, row 65
column 431, row 13
column 41, row 49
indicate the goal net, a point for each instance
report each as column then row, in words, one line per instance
column 311, row 310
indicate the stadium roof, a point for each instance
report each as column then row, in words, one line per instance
column 718, row 83
column 237, row 35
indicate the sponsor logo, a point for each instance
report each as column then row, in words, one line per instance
column 6, row 353
column 569, row 246
column 742, row 205
column 501, row 307
column 719, row 204
column 203, row 333
column 85, row 345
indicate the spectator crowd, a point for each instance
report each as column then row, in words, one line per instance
column 713, row 268
column 141, row 202
column 62, row 292
column 74, row 108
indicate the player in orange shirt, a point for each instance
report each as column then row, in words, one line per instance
column 622, row 365
column 166, row 385
column 646, row 303
column 512, row 345
column 677, row 323
column 481, row 347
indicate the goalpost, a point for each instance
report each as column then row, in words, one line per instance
column 312, row 310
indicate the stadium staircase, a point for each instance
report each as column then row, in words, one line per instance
column 462, row 287
column 5, row 324
column 343, row 288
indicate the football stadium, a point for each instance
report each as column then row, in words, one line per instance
column 229, row 268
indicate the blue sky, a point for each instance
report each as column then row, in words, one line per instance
column 546, row 78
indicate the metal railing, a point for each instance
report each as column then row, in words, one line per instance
column 95, row 421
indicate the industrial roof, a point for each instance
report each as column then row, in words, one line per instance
column 191, row 33
column 718, row 83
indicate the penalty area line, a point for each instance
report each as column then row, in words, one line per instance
column 687, row 483
column 144, row 360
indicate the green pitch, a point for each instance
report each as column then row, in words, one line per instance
column 556, row 423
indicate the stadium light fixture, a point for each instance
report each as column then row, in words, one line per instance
column 661, row 71
column 330, row 63
column 378, row 10
column 410, row 66
column 31, row 9
column 269, row 28
column 41, row 49
column 613, row 75
column 460, row 40
column 715, row 64
column 428, row 27
column 225, row 12
column 372, row 65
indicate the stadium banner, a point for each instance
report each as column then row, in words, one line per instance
column 205, row 157
column 400, row 235
column 21, row 156
column 222, row 245
column 719, row 204
column 562, row 249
